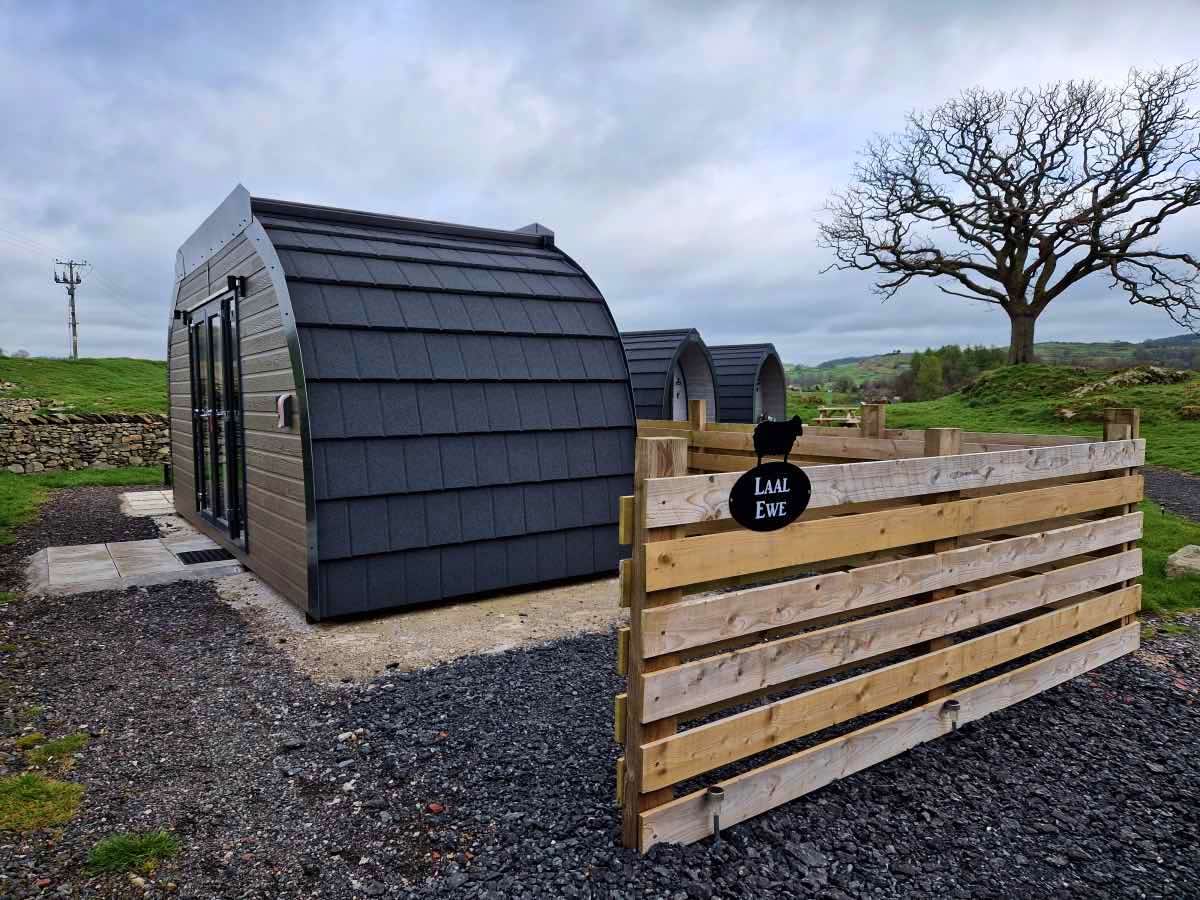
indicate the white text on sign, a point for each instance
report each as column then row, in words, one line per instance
column 769, row 509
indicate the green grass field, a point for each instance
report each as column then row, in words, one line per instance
column 21, row 495
column 118, row 385
column 1025, row 398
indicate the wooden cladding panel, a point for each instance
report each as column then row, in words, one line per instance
column 698, row 498
column 728, row 675
column 724, row 616
column 710, row 557
column 690, row 753
column 688, row 819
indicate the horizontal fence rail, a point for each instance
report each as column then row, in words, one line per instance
column 913, row 580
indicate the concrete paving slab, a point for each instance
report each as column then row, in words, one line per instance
column 148, row 503
column 78, row 553
column 82, row 572
column 122, row 564
column 124, row 549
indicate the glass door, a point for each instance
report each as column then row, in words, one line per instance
column 217, row 413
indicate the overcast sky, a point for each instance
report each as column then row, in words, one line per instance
column 681, row 152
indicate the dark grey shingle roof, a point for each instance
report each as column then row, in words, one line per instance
column 738, row 367
column 469, row 406
column 650, row 355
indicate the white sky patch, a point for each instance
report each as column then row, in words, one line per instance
column 681, row 152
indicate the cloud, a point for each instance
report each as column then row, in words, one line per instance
column 681, row 151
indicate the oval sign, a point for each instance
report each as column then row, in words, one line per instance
column 769, row 496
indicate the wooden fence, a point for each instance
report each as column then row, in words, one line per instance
column 932, row 585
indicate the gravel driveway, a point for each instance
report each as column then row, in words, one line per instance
column 492, row 777
column 1176, row 491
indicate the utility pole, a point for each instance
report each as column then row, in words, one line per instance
column 72, row 276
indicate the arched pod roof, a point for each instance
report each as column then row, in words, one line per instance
column 653, row 355
column 464, row 403
column 739, row 368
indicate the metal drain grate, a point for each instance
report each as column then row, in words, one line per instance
column 191, row 557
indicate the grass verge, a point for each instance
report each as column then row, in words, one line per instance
column 127, row 852
column 21, row 495
column 1163, row 534
column 29, row 802
column 59, row 752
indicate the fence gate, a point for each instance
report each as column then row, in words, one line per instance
column 932, row 589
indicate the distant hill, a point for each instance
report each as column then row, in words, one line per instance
column 1180, row 351
column 116, row 385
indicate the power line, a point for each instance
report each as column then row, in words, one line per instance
column 72, row 277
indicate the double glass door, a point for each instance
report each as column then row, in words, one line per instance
column 217, row 413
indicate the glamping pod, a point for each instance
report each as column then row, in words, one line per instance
column 667, row 369
column 750, row 382
column 370, row 411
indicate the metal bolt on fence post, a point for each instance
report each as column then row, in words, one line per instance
column 949, row 711
column 716, row 796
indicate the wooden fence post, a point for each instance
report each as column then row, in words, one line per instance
column 1124, row 424
column 654, row 458
column 873, row 421
column 697, row 414
column 942, row 442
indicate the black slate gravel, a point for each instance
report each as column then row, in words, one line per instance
column 493, row 777
column 1175, row 491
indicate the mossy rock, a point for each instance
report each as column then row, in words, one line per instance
column 1025, row 382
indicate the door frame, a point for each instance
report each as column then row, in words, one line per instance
column 208, row 423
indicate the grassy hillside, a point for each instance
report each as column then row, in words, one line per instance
column 1178, row 350
column 118, row 385
column 1028, row 398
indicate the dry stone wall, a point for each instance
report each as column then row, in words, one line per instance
column 15, row 407
column 76, row 441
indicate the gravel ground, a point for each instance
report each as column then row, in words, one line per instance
column 1176, row 491
column 492, row 777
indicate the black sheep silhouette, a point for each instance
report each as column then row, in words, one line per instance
column 773, row 438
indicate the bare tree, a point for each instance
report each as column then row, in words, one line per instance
column 1012, row 198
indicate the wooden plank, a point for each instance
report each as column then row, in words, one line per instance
column 874, row 419
column 624, row 583
column 942, row 442
column 686, row 820
column 1023, row 440
column 852, row 446
column 698, row 498
column 623, row 650
column 705, row 558
column 1131, row 420
column 718, row 617
column 653, row 457
column 725, row 462
column 677, row 690
column 625, row 521
column 620, row 781
column 687, row 754
column 619, row 718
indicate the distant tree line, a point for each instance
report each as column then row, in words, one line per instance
column 935, row 373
